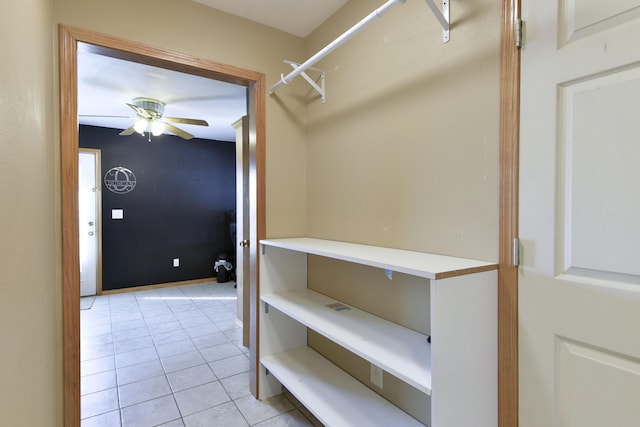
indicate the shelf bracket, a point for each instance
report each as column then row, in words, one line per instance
column 442, row 17
column 266, row 307
column 318, row 87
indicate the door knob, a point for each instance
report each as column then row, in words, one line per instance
column 244, row 243
column 90, row 223
column 91, row 233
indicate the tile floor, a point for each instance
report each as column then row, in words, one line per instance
column 172, row 357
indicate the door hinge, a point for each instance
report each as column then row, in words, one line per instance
column 518, row 30
column 516, row 252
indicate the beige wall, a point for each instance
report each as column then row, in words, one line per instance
column 30, row 298
column 404, row 153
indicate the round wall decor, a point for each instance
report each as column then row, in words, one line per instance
column 120, row 180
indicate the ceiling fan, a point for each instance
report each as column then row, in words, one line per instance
column 150, row 116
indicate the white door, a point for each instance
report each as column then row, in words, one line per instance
column 579, row 280
column 89, row 220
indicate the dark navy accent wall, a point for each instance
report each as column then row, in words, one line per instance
column 176, row 210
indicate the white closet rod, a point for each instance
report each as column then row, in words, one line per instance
column 336, row 43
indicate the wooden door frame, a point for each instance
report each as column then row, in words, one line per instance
column 509, row 167
column 69, row 37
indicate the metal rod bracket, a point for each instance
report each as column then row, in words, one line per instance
column 318, row 87
column 442, row 17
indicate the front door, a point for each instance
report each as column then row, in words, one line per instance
column 89, row 221
column 579, row 275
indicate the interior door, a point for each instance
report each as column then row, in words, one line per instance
column 579, row 275
column 243, row 201
column 89, row 220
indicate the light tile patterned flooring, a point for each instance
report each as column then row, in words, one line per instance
column 172, row 357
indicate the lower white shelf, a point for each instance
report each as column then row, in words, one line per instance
column 333, row 396
column 398, row 350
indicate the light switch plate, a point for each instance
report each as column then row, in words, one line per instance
column 117, row 213
column 176, row 262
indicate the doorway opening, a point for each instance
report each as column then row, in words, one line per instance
column 106, row 45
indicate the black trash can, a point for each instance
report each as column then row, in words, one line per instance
column 223, row 268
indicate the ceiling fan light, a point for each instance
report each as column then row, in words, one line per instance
column 157, row 128
column 140, row 126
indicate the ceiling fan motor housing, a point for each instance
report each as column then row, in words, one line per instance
column 150, row 111
column 154, row 107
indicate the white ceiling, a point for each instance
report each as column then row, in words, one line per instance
column 106, row 84
column 298, row 17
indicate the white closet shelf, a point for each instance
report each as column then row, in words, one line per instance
column 398, row 350
column 419, row 264
column 334, row 397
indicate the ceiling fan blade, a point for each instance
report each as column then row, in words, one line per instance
column 177, row 131
column 140, row 111
column 196, row 122
column 129, row 131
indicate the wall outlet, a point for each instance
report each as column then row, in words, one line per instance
column 176, row 262
column 376, row 376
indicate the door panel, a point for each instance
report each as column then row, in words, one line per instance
column 89, row 221
column 596, row 387
column 243, row 210
column 579, row 278
column 600, row 121
column 581, row 18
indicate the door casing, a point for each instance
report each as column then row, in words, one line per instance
column 69, row 37
column 509, row 182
